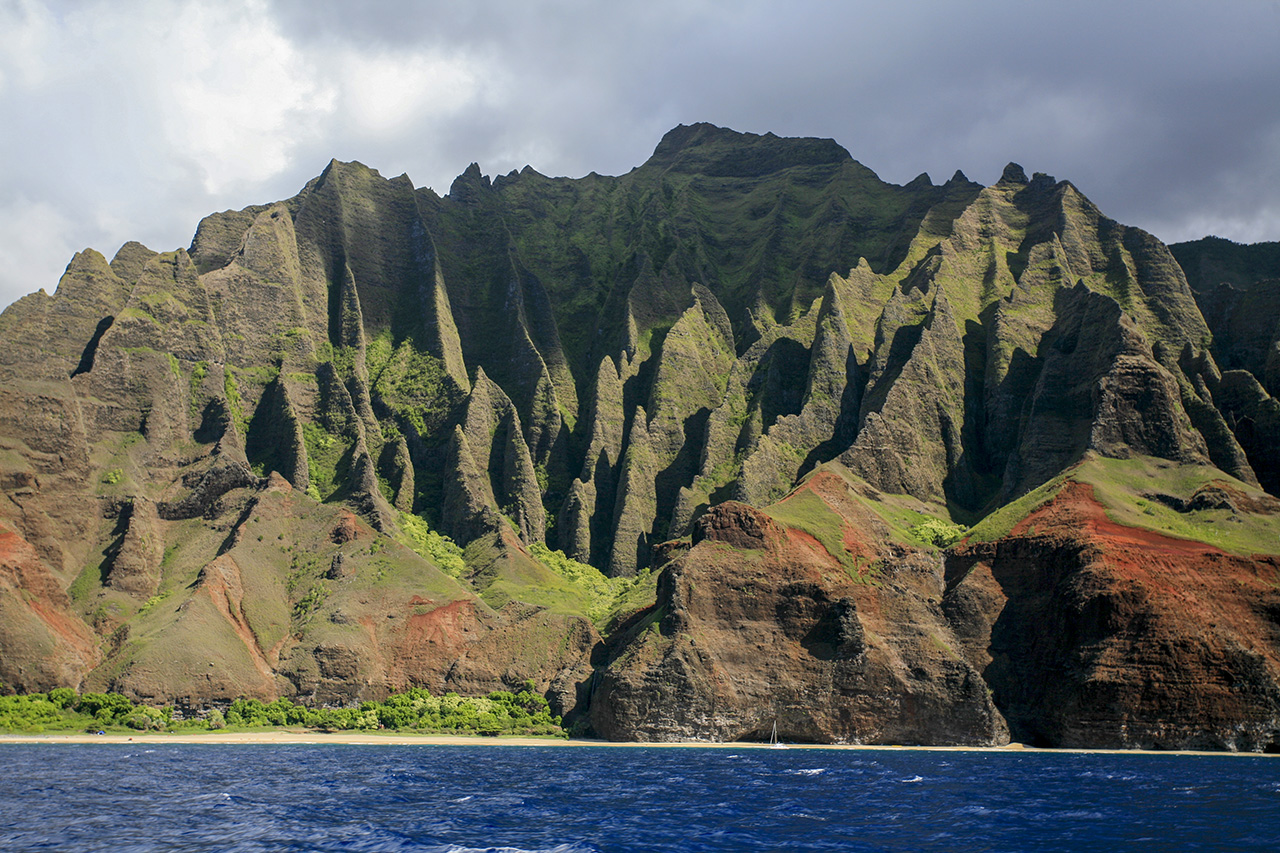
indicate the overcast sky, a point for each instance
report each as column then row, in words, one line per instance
column 132, row 120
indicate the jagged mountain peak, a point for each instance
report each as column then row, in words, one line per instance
column 1013, row 174
column 720, row 152
column 468, row 186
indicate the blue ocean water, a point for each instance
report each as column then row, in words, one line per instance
column 100, row 797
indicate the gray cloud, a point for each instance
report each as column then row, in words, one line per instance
column 132, row 120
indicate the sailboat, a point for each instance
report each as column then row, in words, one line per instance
column 773, row 738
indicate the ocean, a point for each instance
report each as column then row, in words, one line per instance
column 180, row 797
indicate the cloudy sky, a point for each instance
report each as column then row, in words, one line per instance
column 131, row 120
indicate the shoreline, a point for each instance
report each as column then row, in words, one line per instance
column 304, row 737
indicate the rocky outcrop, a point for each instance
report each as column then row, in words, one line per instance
column 1095, row 635
column 502, row 458
column 205, row 487
column 1101, row 389
column 759, row 624
column 46, row 645
column 1237, row 289
column 135, row 565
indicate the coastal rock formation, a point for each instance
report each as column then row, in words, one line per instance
column 1094, row 634
column 759, row 625
column 691, row 447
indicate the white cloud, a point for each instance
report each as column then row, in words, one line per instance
column 241, row 96
column 25, row 50
column 212, row 90
column 1259, row 226
column 33, row 231
column 389, row 91
column 135, row 119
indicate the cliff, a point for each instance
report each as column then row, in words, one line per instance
column 745, row 435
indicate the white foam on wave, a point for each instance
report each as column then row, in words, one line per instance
column 913, row 779
column 558, row 848
column 809, row 771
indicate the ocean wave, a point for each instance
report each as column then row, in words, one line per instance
column 327, row 799
column 558, row 848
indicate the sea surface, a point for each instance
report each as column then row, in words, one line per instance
column 101, row 797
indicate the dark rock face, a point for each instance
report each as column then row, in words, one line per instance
column 1238, row 290
column 1095, row 635
column 226, row 469
column 737, row 525
column 1235, row 287
column 758, row 624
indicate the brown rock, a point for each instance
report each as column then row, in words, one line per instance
column 135, row 568
column 347, row 529
column 779, row 631
column 1095, row 635
column 738, row 525
column 45, row 645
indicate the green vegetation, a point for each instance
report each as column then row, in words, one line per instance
column 1126, row 487
column 63, row 710
column 998, row 524
column 324, row 455
column 233, row 400
column 633, row 595
column 551, row 579
column 598, row 591
column 309, row 603
column 133, row 312
column 86, row 582
column 806, row 510
column 415, row 710
column 937, row 532
column 909, row 520
column 427, row 543
column 411, row 383
column 198, row 373
column 153, row 602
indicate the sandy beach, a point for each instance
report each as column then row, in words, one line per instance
column 280, row 737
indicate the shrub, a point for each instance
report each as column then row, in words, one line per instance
column 936, row 532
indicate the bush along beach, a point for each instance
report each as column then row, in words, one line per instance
column 415, row 710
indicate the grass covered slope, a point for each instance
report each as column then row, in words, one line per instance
column 1197, row 503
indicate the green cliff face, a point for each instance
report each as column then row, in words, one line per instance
column 331, row 450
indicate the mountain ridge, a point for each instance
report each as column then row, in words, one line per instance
column 595, row 366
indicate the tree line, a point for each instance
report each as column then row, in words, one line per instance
column 416, row 710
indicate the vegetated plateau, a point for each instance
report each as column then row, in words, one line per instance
column 743, row 436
